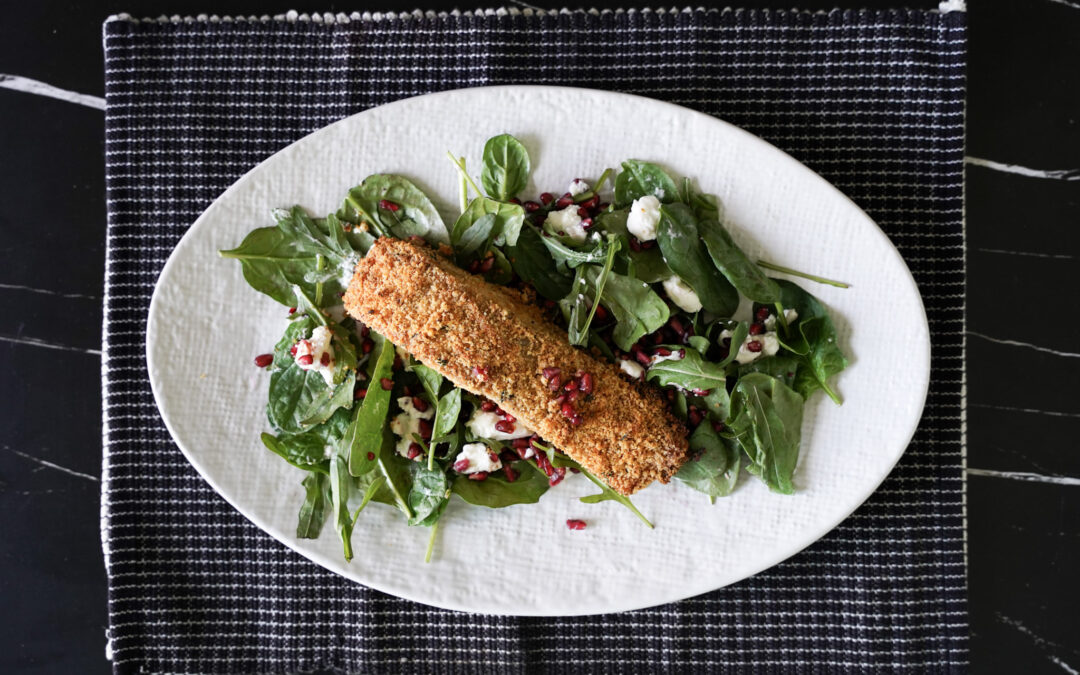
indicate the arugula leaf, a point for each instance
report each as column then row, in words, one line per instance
column 415, row 216
column 506, row 167
column 534, row 264
column 688, row 373
column 715, row 468
column 363, row 441
column 638, row 310
column 297, row 252
column 580, row 308
column 766, row 420
column 590, row 252
column 429, row 494
column 340, row 485
column 483, row 224
column 607, row 494
column 743, row 274
column 685, row 254
column 638, row 179
column 495, row 491
column 313, row 511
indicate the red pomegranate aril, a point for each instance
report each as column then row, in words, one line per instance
column 388, row 205
column 505, row 427
column 554, row 384
column 292, row 350
column 500, row 412
column 557, row 476
column 508, row 417
column 474, row 266
column 574, row 469
column 493, row 457
column 365, row 331
column 570, row 385
column 642, row 358
column 515, row 200
column 753, row 346
column 366, row 346
column 576, row 420
column 419, row 403
column 756, row 329
column 694, row 417
column 520, row 443
column 676, row 325
column 414, row 450
column 681, row 353
column 575, row 524
column 635, row 245
column 488, row 263
column 702, row 392
column 479, row 475
column 567, row 410
column 370, row 456
column 544, row 463
column 487, row 406
column 263, row 360
column 550, row 372
column 601, row 313
column 586, row 223
column 305, row 359
column 560, row 399
column 662, row 351
column 718, row 426
column 511, row 475
column 591, row 203
column 564, row 202
column 585, row 383
column 480, row 373
column 546, row 197
column 406, row 391
column 762, row 313
column 461, row 465
column 646, row 245
column 531, row 206
column 292, row 310
column 583, row 212
column 386, row 383
column 425, row 429
column 325, row 359
column 507, row 456
column 572, row 396
column 359, row 394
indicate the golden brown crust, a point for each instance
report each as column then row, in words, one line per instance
column 454, row 322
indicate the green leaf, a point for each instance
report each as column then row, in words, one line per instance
column 743, row 274
column 689, row 373
column 572, row 255
column 766, row 420
column 430, row 379
column 784, row 367
column 638, row 179
column 300, row 399
column 368, row 429
column 686, row 255
column 446, row 414
column 506, row 167
column 340, row 484
column 429, row 495
column 714, row 464
column 588, row 287
column 416, row 215
column 534, row 264
column 607, row 494
column 636, row 307
column 483, row 224
column 304, row 451
column 495, row 491
column 297, row 252
column 316, row 505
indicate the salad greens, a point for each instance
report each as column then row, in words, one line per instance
column 657, row 295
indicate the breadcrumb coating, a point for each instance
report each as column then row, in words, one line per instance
column 487, row 340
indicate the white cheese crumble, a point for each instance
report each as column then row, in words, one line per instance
column 315, row 346
column 631, row 368
column 478, row 456
column 789, row 316
column 578, row 187
column 482, row 424
column 676, row 355
column 568, row 222
column 682, row 295
column 643, row 218
column 407, row 423
column 768, row 341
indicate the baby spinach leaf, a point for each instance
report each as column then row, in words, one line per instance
column 429, row 494
column 607, row 494
column 686, row 255
column 363, row 441
column 689, row 373
column 636, row 307
column 766, row 420
column 590, row 252
column 484, row 223
column 714, row 464
column 359, row 239
column 295, row 252
column 792, row 296
column 430, row 379
column 317, row 500
column 533, row 263
column 300, row 399
column 645, row 265
column 415, row 216
column 340, row 485
column 638, row 179
column 446, row 414
column 501, row 272
column 743, row 274
column 739, row 331
column 506, row 167
column 495, row 491
column 581, row 308
column 783, row 367
column 699, row 343
column 304, row 451
column 299, row 328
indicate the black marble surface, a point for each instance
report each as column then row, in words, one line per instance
column 1023, row 230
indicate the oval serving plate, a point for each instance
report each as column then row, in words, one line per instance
column 213, row 400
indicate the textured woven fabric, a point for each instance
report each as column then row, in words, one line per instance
column 871, row 100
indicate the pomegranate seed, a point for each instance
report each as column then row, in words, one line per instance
column 681, row 353
column 325, row 359
column 635, row 245
column 546, row 197
column 508, row 456
column 557, row 476
column 586, row 383
column 508, row 417
column 757, row 329
column 591, row 203
column 762, row 313
column 474, row 266
column 479, row 475
column 702, row 392
column 658, row 338
column 718, row 426
column 263, row 360
column 487, row 406
column 662, row 351
column 461, row 465
column 572, row 396
column 583, row 212
column 387, row 383
column 493, row 457
column 551, row 372
column 602, row 205
column 505, row 427
column 359, row 394
column 425, row 429
column 520, row 443
column 388, row 205
column 560, row 399
column 511, row 475
column 642, row 358
column 414, row 450
column 570, row 385
column 292, row 350
column 576, row 420
column 488, row 263
column 366, row 346
column 397, row 364
column 480, row 373
column 753, row 346
column 601, row 313
column 676, row 325
column 586, row 223
column 305, row 359
column 292, row 310
column 646, row 245
column 500, row 412
column 575, row 524
column 564, row 202
column 419, row 403
column 370, row 456
column 554, row 384
column 544, row 463
column 406, row 390
column 695, row 417
column 574, row 469
column 531, row 206
column 567, row 410
column 365, row 331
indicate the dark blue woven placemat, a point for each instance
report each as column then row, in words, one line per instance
column 872, row 100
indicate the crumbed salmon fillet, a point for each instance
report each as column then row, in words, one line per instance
column 486, row 339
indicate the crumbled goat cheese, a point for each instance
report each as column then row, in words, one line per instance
column 682, row 295
column 643, row 218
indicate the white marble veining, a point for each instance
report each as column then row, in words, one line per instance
column 1018, row 343
column 49, row 465
column 25, row 84
column 1056, row 174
